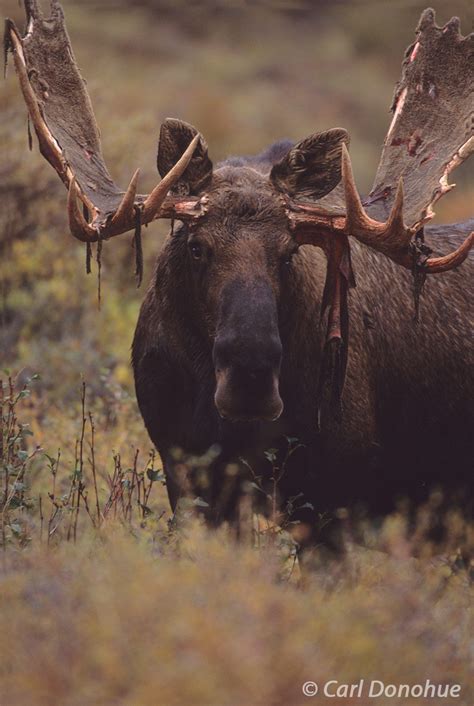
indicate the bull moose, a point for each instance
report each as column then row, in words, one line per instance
column 242, row 343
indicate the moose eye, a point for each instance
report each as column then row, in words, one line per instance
column 288, row 257
column 196, row 251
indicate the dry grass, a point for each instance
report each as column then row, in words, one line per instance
column 106, row 600
column 195, row 619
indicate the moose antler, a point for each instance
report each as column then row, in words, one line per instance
column 431, row 133
column 62, row 115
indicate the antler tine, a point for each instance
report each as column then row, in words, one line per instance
column 153, row 206
column 391, row 237
column 356, row 217
column 78, row 225
column 358, row 222
column 435, row 265
column 154, row 201
column 123, row 216
column 395, row 220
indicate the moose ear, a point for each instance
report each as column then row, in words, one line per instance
column 175, row 136
column 312, row 168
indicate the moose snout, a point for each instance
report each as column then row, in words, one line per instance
column 248, row 394
column 247, row 358
column 253, row 355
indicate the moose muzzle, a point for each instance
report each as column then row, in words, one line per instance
column 247, row 353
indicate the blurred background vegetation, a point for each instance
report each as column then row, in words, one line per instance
column 245, row 74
